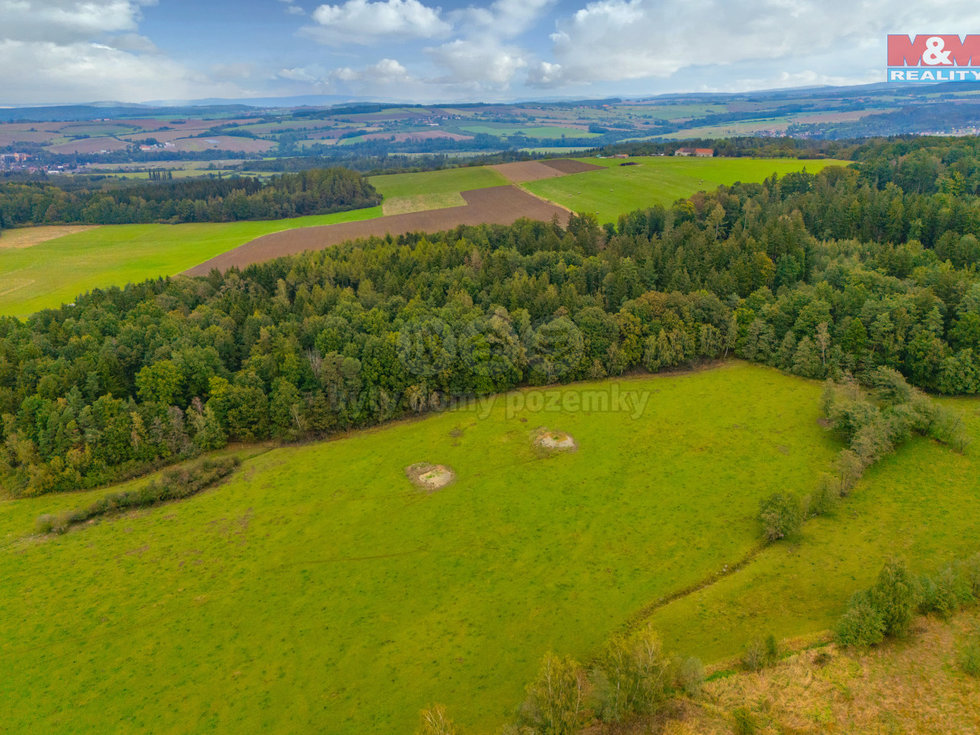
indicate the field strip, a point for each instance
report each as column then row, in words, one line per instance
column 494, row 205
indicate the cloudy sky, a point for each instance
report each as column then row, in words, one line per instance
column 136, row 50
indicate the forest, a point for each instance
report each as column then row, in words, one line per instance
column 820, row 275
column 317, row 191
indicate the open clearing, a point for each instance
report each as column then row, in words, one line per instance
column 658, row 180
column 30, row 236
column 55, row 272
column 318, row 575
column 501, row 205
column 903, row 687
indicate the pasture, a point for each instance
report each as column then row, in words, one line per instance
column 658, row 180
column 922, row 504
column 52, row 273
column 321, row 576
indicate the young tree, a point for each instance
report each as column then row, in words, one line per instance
column 555, row 703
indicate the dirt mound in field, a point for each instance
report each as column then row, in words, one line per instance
column 429, row 477
column 554, row 441
column 569, row 166
column 502, row 205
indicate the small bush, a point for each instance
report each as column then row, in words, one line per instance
column 45, row 523
column 555, row 699
column 862, row 625
column 946, row 592
column 895, row 595
column 781, row 515
column 434, row 721
column 690, row 676
column 969, row 658
column 745, row 722
column 760, row 652
column 824, row 499
column 632, row 676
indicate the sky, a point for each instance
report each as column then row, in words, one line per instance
column 71, row 51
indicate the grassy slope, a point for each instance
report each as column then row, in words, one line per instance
column 657, row 180
column 319, row 577
column 415, row 192
column 922, row 503
column 55, row 272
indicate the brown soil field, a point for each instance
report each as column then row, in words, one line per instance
column 89, row 145
column 570, row 166
column 25, row 237
column 520, row 172
column 11, row 137
column 497, row 205
column 223, row 143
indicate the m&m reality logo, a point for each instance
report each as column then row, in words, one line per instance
column 934, row 58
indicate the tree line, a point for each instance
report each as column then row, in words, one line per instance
column 318, row 191
column 820, row 275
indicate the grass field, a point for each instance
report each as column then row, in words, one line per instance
column 923, row 504
column 55, row 272
column 657, row 180
column 320, row 577
column 417, row 192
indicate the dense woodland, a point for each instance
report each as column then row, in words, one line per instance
column 844, row 271
column 319, row 191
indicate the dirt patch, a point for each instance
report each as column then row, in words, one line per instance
column 502, row 205
column 521, row 172
column 28, row 236
column 570, row 166
column 430, row 477
column 554, row 441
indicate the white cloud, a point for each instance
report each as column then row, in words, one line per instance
column 478, row 62
column 366, row 22
column 66, row 20
column 385, row 74
column 503, row 18
column 611, row 40
column 292, row 8
column 84, row 72
column 83, row 50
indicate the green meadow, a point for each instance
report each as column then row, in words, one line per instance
column 320, row 576
column 55, row 272
column 416, row 192
column 921, row 504
column 657, row 180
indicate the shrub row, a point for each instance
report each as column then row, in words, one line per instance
column 888, row 607
column 175, row 484
column 873, row 422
